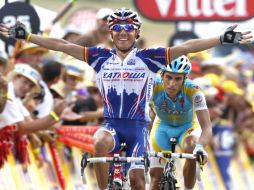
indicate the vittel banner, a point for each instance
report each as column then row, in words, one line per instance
column 196, row 10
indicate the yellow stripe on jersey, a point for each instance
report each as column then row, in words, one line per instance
column 158, row 88
column 191, row 91
column 152, row 135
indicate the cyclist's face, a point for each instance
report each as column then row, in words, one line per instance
column 172, row 83
column 123, row 39
column 22, row 85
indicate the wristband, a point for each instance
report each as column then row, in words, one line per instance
column 54, row 115
column 28, row 37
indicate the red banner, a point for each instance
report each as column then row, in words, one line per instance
column 196, row 10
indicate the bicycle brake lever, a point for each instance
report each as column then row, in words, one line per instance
column 83, row 163
column 200, row 159
column 146, row 162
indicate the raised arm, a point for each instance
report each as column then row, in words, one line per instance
column 19, row 32
column 196, row 45
column 55, row 44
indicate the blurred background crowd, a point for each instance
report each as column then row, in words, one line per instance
column 42, row 79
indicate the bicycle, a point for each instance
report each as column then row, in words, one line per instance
column 168, row 178
column 118, row 172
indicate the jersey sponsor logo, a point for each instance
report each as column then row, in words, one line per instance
column 164, row 109
column 200, row 104
column 131, row 62
column 112, row 63
column 164, row 104
column 140, row 68
column 149, row 88
column 124, row 75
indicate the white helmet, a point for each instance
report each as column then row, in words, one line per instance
column 179, row 65
column 124, row 14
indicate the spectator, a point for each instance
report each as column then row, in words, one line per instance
column 3, row 62
column 101, row 34
column 71, row 33
column 51, row 72
column 30, row 54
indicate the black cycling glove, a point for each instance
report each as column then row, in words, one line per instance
column 19, row 31
column 231, row 37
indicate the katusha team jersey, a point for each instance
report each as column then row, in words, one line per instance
column 126, row 86
column 182, row 109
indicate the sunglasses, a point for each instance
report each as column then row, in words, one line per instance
column 126, row 27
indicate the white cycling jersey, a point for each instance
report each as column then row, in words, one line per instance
column 126, row 86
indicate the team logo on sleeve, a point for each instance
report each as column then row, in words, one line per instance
column 198, row 99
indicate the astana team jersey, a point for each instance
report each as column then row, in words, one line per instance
column 126, row 86
column 182, row 109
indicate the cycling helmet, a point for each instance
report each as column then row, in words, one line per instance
column 179, row 65
column 124, row 14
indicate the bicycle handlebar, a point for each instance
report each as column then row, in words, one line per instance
column 115, row 159
column 199, row 157
column 172, row 155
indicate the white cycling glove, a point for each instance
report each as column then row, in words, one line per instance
column 200, row 148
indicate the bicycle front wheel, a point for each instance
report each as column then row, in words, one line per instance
column 168, row 185
column 117, row 186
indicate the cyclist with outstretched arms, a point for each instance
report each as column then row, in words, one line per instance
column 125, row 77
column 180, row 108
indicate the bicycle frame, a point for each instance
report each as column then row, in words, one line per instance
column 168, row 178
column 117, row 176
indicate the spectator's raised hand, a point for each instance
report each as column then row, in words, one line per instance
column 69, row 115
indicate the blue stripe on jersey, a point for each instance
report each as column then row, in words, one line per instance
column 155, row 59
column 97, row 56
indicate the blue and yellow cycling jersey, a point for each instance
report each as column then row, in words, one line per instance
column 182, row 109
column 126, row 85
